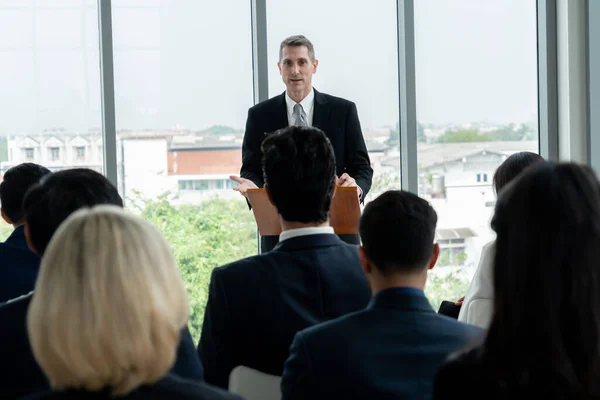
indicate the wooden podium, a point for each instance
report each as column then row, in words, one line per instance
column 344, row 213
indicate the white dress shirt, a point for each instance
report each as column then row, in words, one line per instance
column 305, row 231
column 478, row 306
column 307, row 103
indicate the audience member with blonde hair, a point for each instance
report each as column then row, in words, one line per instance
column 46, row 206
column 107, row 311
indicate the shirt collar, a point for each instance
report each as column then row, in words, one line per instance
column 304, row 231
column 307, row 103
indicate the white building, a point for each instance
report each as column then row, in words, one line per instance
column 457, row 179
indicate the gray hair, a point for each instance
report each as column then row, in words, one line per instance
column 297, row 40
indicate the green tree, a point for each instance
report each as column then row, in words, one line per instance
column 462, row 136
column 221, row 130
column 447, row 285
column 213, row 233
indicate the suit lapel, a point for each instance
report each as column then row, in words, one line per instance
column 321, row 112
column 280, row 119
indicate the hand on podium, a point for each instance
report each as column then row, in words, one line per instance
column 244, row 185
column 347, row 181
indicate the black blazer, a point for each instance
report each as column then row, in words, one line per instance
column 256, row 305
column 337, row 117
column 391, row 350
column 19, row 266
column 19, row 372
column 170, row 387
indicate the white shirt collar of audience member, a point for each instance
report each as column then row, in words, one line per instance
column 304, row 232
column 307, row 104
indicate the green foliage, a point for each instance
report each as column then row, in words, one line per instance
column 462, row 136
column 444, row 258
column 383, row 182
column 221, row 130
column 202, row 237
column 446, row 285
column 510, row 132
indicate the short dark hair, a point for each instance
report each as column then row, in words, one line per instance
column 297, row 41
column 15, row 184
column 546, row 281
column 513, row 166
column 397, row 231
column 60, row 194
column 299, row 171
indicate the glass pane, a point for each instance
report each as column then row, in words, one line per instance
column 183, row 86
column 476, row 104
column 50, row 80
column 356, row 45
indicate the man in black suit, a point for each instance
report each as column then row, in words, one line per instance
column 45, row 207
column 393, row 348
column 302, row 105
column 256, row 305
column 19, row 266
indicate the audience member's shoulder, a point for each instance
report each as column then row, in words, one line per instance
column 464, row 374
column 326, row 328
column 180, row 388
column 15, row 305
column 243, row 272
column 170, row 387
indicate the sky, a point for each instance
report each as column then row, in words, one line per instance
column 188, row 63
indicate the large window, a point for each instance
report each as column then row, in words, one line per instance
column 183, row 86
column 356, row 45
column 476, row 104
column 50, row 83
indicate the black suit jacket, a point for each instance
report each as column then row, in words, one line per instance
column 170, row 387
column 256, row 305
column 335, row 116
column 19, row 266
column 391, row 350
column 19, row 372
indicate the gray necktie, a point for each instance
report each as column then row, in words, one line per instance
column 299, row 116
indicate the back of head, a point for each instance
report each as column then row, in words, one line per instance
column 299, row 172
column 546, row 278
column 15, row 184
column 513, row 166
column 397, row 231
column 60, row 194
column 109, row 303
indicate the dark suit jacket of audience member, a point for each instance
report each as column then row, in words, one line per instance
column 170, row 387
column 391, row 350
column 19, row 266
column 256, row 305
column 19, row 372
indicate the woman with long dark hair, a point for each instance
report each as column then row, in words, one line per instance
column 479, row 300
column 544, row 337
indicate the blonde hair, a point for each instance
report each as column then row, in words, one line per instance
column 108, row 305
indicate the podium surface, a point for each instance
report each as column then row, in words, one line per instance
column 344, row 212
